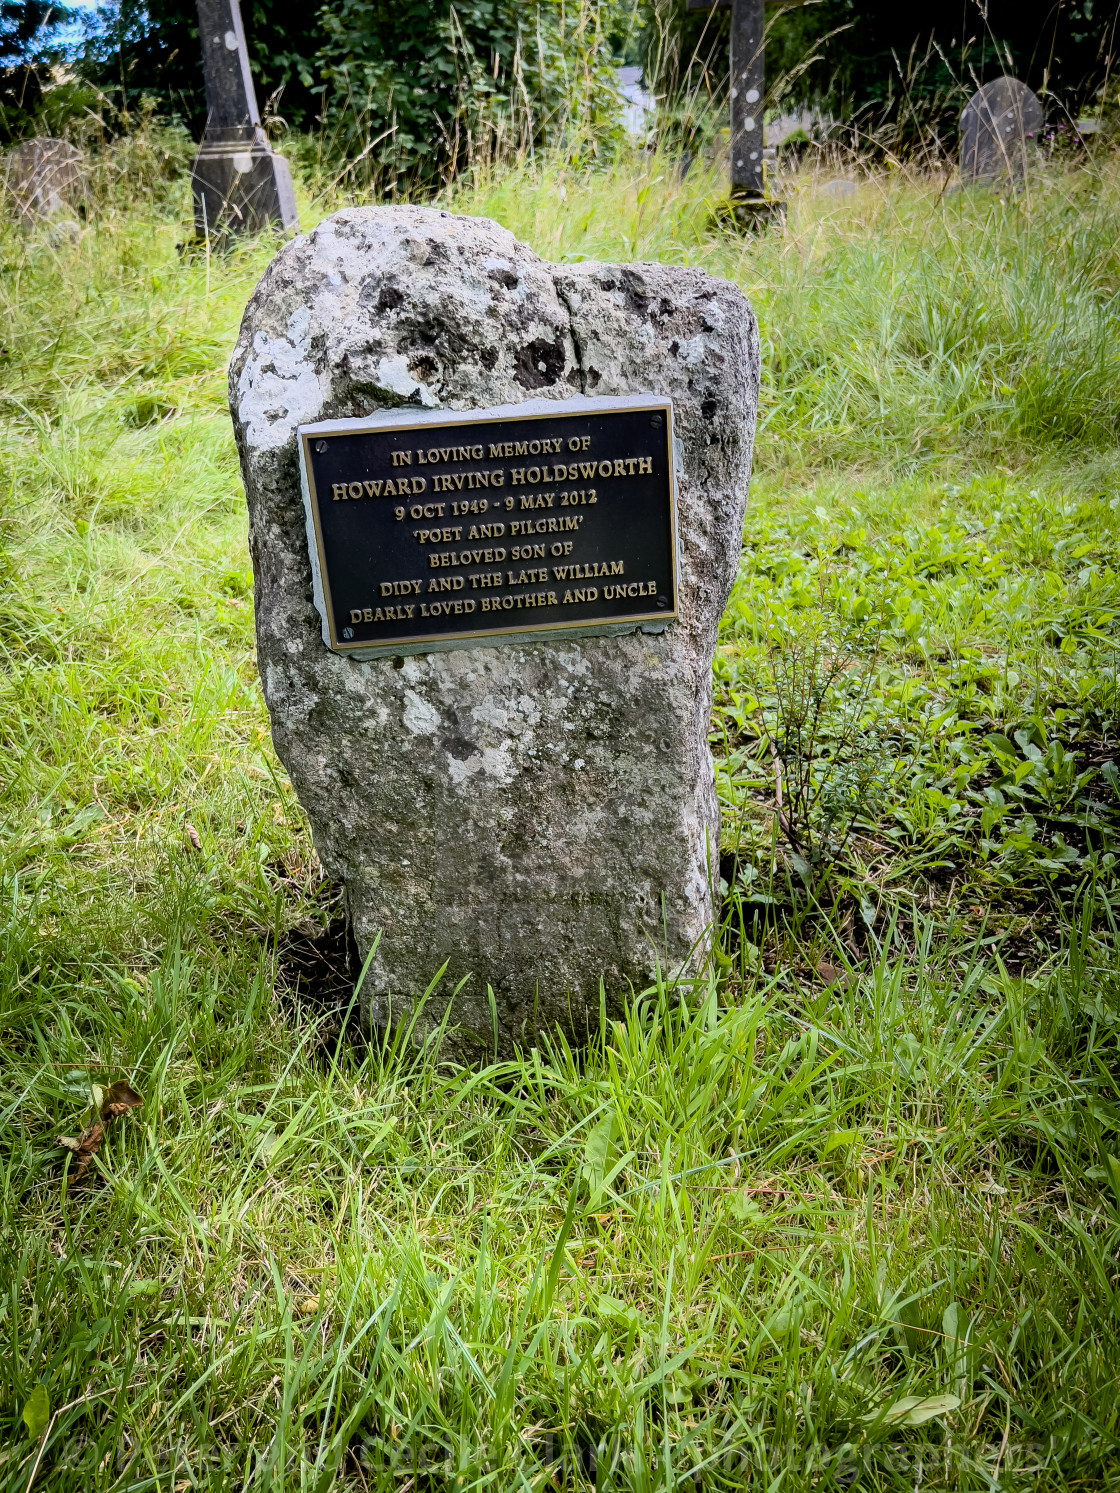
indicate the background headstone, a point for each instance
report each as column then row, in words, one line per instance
column 639, row 106
column 999, row 126
column 43, row 177
column 747, row 154
column 239, row 184
column 748, row 93
column 541, row 816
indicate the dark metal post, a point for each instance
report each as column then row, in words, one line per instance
column 749, row 201
column 239, row 184
column 747, row 93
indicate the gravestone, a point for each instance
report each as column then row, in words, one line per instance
column 747, row 93
column 495, row 512
column 43, row 177
column 238, row 182
column 999, row 125
column 639, row 107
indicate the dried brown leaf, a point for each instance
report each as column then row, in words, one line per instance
column 119, row 1098
column 832, row 974
column 191, row 836
column 83, row 1149
column 116, row 1100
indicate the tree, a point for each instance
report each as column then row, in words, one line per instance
column 876, row 59
column 422, row 87
column 30, row 44
column 139, row 48
column 884, row 51
column 29, row 32
column 408, row 86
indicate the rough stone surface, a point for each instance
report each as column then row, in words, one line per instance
column 538, row 817
column 43, row 176
column 840, row 188
column 999, row 125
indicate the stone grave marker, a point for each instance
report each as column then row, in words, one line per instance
column 239, row 183
column 496, row 510
column 747, row 94
column 999, row 125
column 43, row 177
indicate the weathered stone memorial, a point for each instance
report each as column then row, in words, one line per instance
column 238, row 182
column 999, row 126
column 496, row 508
column 43, row 177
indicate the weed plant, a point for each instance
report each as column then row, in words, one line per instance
column 844, row 1210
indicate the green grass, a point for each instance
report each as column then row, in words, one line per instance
column 871, row 1156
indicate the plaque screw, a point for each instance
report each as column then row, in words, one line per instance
column 656, row 422
column 347, row 632
column 662, row 601
column 321, row 447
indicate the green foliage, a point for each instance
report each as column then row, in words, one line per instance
column 898, row 73
column 29, row 47
column 402, row 92
column 420, row 89
column 139, row 49
column 845, row 1208
column 903, row 326
column 29, row 31
column 423, row 90
column 37, row 1412
column 984, row 700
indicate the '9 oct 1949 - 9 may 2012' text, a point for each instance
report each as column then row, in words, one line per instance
column 442, row 539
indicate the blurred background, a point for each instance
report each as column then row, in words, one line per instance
column 400, row 96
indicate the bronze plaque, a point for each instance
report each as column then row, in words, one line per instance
column 437, row 530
